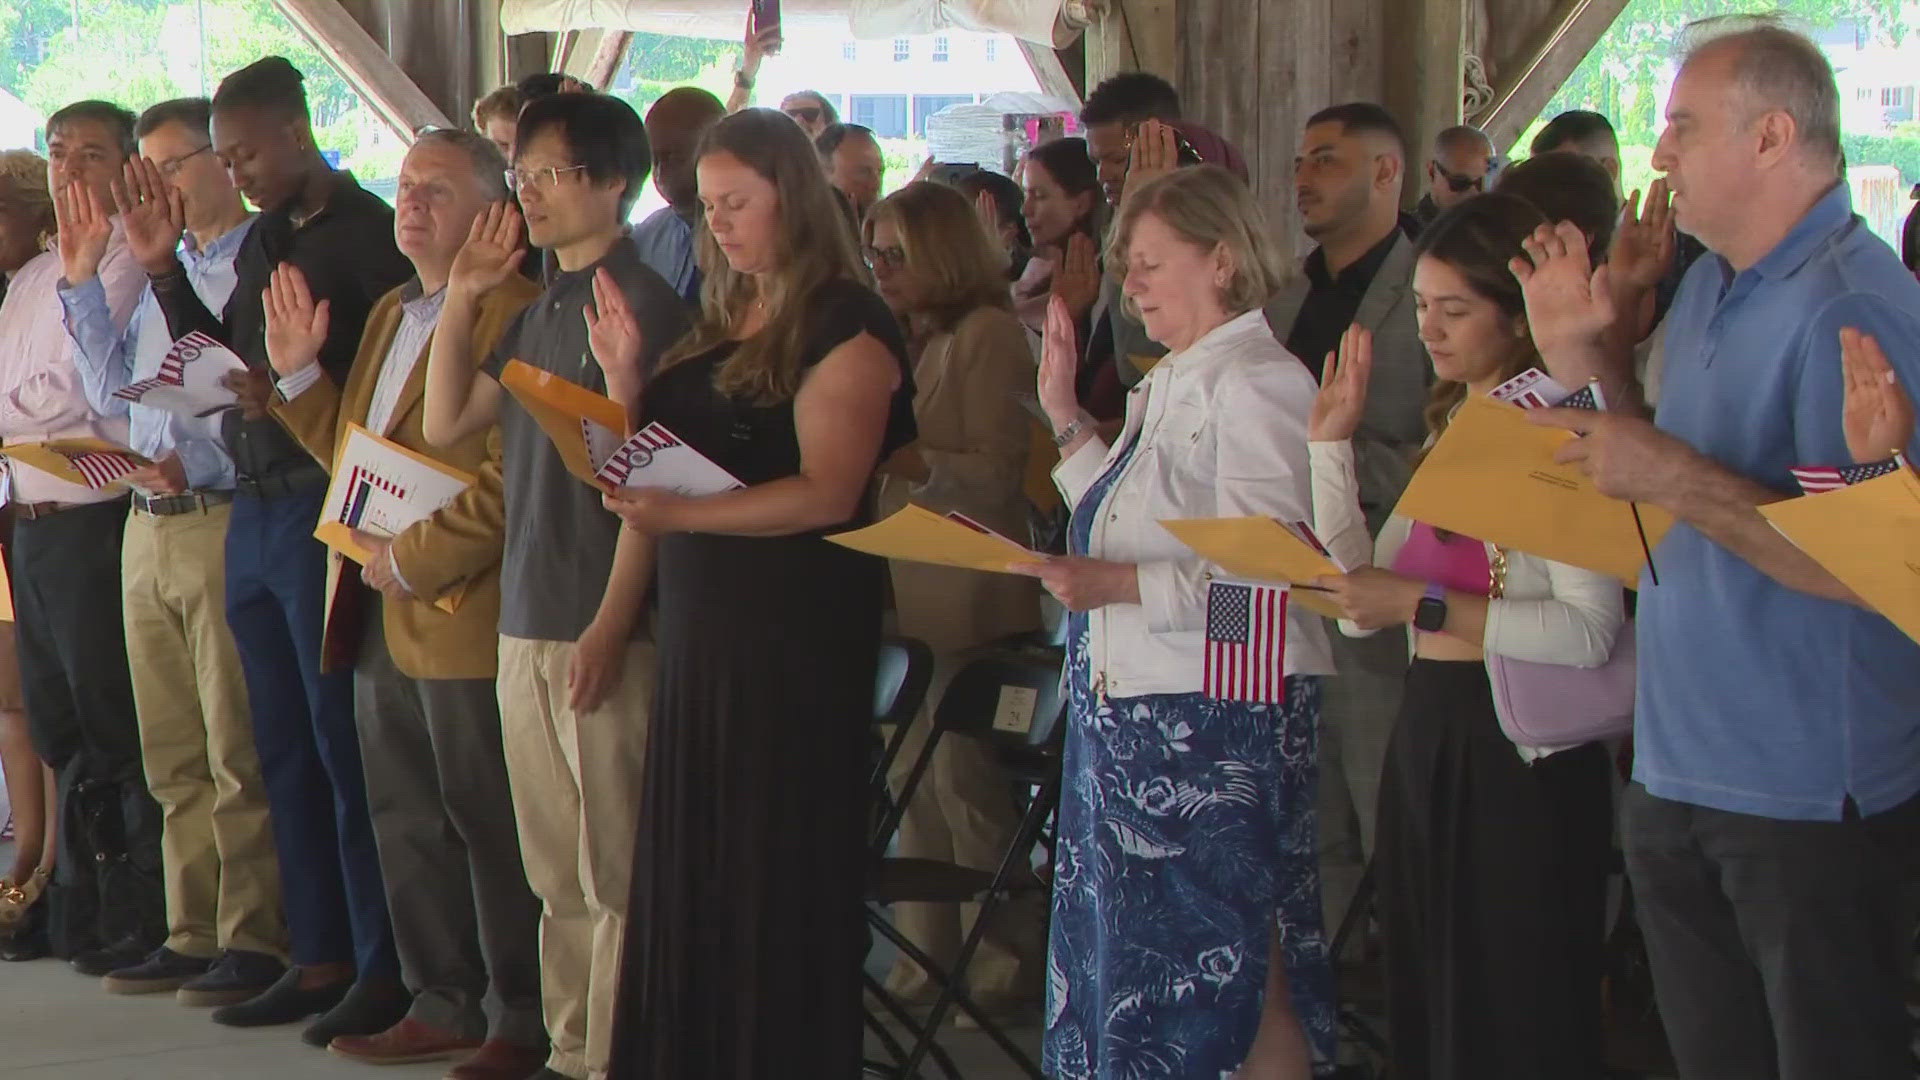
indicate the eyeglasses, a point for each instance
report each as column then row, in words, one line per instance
column 537, row 179
column 1457, row 181
column 885, row 258
column 171, row 167
column 806, row 114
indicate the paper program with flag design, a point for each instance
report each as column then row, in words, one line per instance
column 1817, row 479
column 655, row 457
column 1246, row 642
column 189, row 380
column 91, row 463
column 380, row 487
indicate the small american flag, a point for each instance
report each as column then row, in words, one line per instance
column 1587, row 397
column 1815, row 479
column 1246, row 643
column 100, row 468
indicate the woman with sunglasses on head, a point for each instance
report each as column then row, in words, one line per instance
column 745, row 934
column 811, row 110
column 940, row 273
column 1492, row 857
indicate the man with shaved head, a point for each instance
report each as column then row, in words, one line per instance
column 665, row 239
column 1772, row 826
column 1347, row 182
column 1457, row 171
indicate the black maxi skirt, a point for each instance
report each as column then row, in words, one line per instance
column 1492, row 875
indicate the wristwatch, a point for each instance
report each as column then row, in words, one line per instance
column 742, row 80
column 1431, row 614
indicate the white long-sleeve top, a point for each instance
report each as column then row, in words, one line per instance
column 1222, row 429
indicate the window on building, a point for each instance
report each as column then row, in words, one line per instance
column 940, row 50
column 993, row 50
column 886, row 114
column 902, row 50
column 850, row 51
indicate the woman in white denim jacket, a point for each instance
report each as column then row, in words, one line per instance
column 1492, row 858
column 1186, row 936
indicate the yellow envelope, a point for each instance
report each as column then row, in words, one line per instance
column 6, row 594
column 917, row 534
column 338, row 535
column 63, row 458
column 1261, row 549
column 1868, row 536
column 559, row 407
column 1492, row 477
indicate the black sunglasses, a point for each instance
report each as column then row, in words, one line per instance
column 806, row 114
column 1458, row 182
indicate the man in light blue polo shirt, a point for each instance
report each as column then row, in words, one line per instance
column 1773, row 823
column 666, row 239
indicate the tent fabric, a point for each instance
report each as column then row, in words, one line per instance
column 1054, row 23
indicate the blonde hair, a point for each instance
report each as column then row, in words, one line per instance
column 960, row 267
column 1209, row 207
column 814, row 247
column 28, row 171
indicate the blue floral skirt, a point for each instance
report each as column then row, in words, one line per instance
column 1186, row 840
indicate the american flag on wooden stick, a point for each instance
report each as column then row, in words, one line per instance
column 1246, row 642
column 1815, row 479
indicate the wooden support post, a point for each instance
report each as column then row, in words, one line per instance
column 364, row 64
column 1527, row 87
column 1050, row 72
column 608, row 54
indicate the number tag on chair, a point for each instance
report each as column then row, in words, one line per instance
column 1015, row 710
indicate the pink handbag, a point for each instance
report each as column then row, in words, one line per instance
column 1558, row 705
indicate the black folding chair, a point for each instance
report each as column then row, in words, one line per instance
column 1009, row 699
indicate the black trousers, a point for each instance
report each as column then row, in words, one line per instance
column 1776, row 945
column 79, row 697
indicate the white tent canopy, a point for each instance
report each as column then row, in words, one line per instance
column 1054, row 23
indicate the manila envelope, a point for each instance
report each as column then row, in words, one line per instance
column 1492, row 477
column 917, row 534
column 1264, row 550
column 55, row 457
column 560, row 407
column 1868, row 536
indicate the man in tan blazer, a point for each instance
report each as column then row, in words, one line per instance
column 464, row 920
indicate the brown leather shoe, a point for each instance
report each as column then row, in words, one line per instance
column 403, row 1043
column 498, row 1059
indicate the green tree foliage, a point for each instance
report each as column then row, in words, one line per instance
column 1622, row 76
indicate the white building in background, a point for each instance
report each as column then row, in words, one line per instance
column 1876, row 80
column 893, row 86
column 19, row 123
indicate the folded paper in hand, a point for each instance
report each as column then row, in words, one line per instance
column 92, row 463
column 380, row 487
column 1491, row 476
column 917, row 534
column 1866, row 534
column 585, row 426
column 655, row 457
column 189, row 380
column 1264, row 549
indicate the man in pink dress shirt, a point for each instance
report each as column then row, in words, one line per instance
column 107, row 909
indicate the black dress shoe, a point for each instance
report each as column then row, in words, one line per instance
column 283, row 1003
column 239, row 975
column 162, row 971
column 99, row 963
column 29, row 938
column 371, row 1007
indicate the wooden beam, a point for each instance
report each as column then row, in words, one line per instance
column 360, row 60
column 608, row 55
column 1050, row 71
column 1527, row 88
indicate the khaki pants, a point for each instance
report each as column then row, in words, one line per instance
column 576, row 793
column 222, row 876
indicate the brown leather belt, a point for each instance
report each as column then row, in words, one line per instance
column 191, row 502
column 36, row 511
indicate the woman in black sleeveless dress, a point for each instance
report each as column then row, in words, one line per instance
column 744, row 938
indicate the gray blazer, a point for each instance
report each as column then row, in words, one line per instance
column 1391, row 430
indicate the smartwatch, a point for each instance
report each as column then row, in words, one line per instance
column 1431, row 614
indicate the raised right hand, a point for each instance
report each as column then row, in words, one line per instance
column 152, row 213
column 614, row 336
column 296, row 326
column 1877, row 416
column 491, row 254
column 1342, row 399
column 84, row 231
column 1077, row 279
column 1569, row 301
column 1059, row 367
